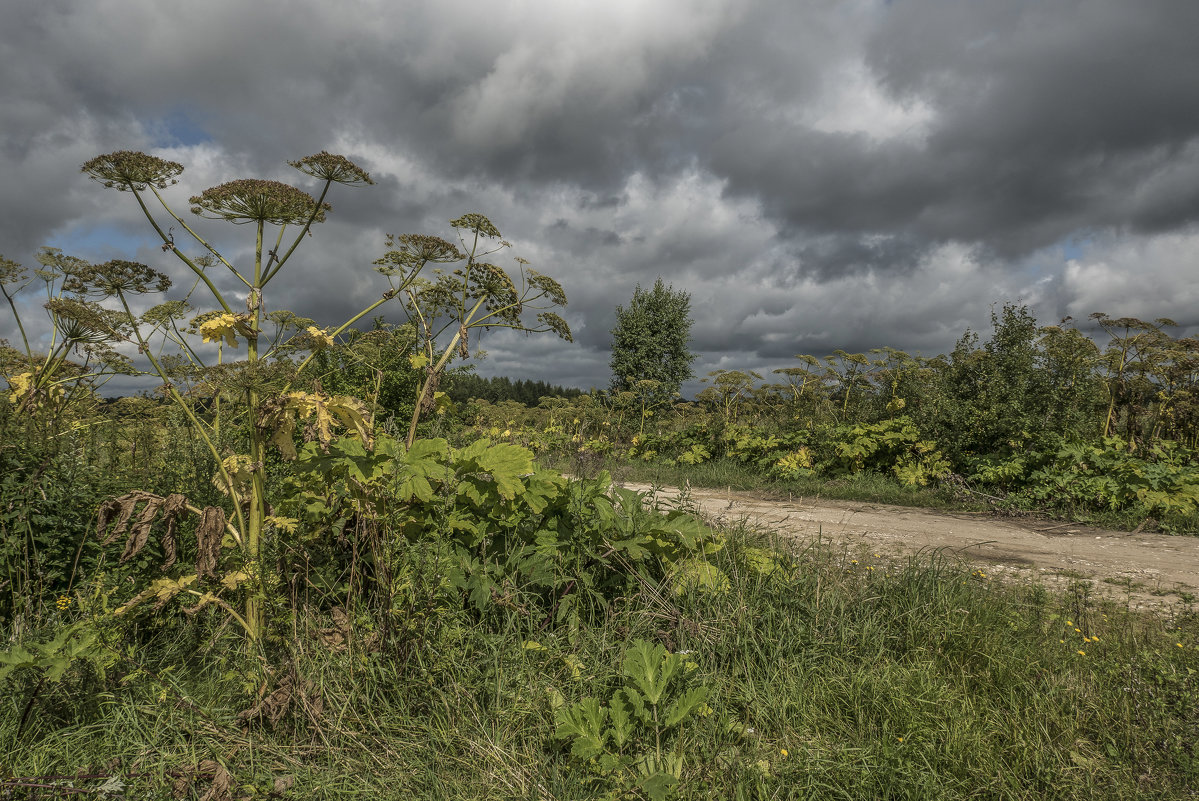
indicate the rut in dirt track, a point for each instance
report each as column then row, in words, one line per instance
column 1150, row 571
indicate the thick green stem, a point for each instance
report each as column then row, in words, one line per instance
column 316, row 210
column 17, row 317
column 257, row 501
column 166, row 240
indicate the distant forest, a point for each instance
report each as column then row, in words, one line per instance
column 501, row 388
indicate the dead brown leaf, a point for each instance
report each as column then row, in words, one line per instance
column 209, row 532
column 221, row 788
column 172, row 507
column 337, row 638
column 271, row 707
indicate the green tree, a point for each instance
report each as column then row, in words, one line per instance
column 650, row 343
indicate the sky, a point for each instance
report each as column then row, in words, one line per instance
column 817, row 174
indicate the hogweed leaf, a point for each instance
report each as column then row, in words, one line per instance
column 582, row 722
column 685, row 704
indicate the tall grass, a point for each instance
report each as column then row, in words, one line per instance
column 834, row 675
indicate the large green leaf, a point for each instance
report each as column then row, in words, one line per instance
column 584, row 724
column 685, row 704
column 422, row 464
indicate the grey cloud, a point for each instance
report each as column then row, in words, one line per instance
column 846, row 173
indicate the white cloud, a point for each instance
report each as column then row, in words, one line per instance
column 1146, row 277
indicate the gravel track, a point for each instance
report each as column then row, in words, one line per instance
column 1148, row 571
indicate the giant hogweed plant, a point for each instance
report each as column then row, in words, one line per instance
column 79, row 357
column 475, row 295
column 510, row 532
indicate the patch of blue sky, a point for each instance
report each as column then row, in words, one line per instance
column 1048, row 262
column 99, row 242
column 177, row 129
column 1074, row 247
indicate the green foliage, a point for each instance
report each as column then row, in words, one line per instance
column 636, row 740
column 373, row 365
column 516, row 533
column 891, row 445
column 696, row 454
column 650, row 343
column 52, row 658
column 467, row 386
column 1161, row 482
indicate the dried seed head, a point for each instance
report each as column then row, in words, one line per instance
column 10, row 271
column 478, row 224
column 113, row 277
column 416, row 250
column 128, row 169
column 556, row 324
column 253, row 200
column 86, row 321
column 552, row 289
column 331, row 167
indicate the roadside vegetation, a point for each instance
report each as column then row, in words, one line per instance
column 309, row 573
column 1035, row 418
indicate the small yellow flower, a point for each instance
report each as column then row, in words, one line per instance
column 783, row 751
column 1178, row 644
column 63, row 603
column 1094, row 638
column 900, row 739
column 1078, row 630
column 1082, row 653
column 1069, row 622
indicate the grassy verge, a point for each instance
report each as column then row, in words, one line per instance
column 831, row 675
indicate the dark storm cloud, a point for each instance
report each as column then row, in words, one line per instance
column 849, row 173
column 1050, row 116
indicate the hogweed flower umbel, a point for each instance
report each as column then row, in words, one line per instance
column 255, row 200
column 333, row 168
column 128, row 169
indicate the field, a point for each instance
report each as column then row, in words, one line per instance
column 570, row 658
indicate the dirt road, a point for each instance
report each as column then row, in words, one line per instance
column 1150, row 571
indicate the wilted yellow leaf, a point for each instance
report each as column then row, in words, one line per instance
column 320, row 337
column 220, row 328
